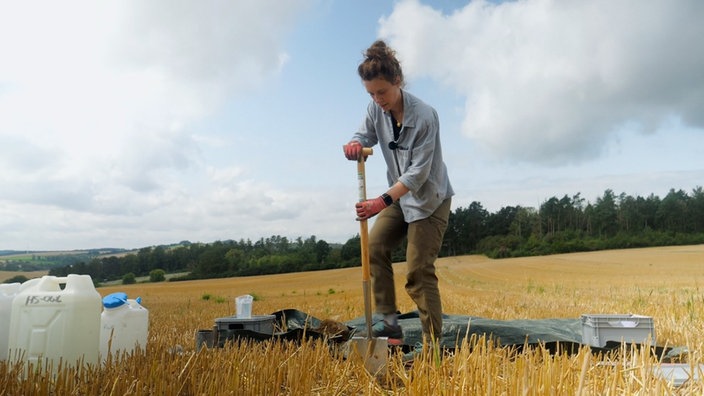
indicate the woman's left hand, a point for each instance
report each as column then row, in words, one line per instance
column 369, row 208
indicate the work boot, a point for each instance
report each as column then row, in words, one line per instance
column 383, row 329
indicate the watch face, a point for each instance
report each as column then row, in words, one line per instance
column 387, row 199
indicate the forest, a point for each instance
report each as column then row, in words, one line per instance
column 559, row 225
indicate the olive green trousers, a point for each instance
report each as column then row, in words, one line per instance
column 424, row 241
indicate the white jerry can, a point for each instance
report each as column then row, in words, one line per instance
column 8, row 291
column 50, row 323
column 124, row 325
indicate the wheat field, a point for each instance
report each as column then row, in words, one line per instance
column 663, row 283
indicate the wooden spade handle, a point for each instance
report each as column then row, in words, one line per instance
column 364, row 233
column 364, row 245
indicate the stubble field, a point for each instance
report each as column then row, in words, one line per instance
column 664, row 283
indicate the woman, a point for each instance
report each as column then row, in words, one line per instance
column 417, row 203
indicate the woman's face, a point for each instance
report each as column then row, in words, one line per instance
column 384, row 93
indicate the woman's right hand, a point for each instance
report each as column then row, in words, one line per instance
column 353, row 150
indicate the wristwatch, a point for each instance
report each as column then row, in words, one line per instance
column 387, row 199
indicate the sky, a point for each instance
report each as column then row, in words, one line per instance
column 134, row 123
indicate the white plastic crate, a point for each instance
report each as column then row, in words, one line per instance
column 679, row 373
column 597, row 329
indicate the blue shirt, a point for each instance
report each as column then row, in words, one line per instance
column 417, row 162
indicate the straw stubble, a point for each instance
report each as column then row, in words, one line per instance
column 662, row 283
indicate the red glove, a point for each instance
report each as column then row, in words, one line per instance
column 369, row 208
column 353, row 150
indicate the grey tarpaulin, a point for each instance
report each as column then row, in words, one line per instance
column 560, row 334
column 455, row 328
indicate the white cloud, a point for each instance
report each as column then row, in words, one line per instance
column 131, row 123
column 551, row 81
column 99, row 102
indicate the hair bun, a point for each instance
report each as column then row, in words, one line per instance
column 378, row 51
column 380, row 62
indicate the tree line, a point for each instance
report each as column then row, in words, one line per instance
column 559, row 225
column 570, row 224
